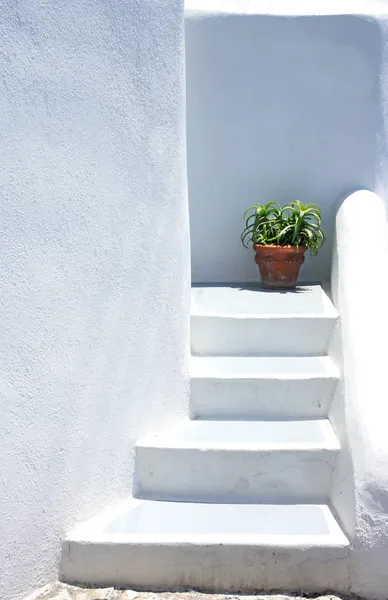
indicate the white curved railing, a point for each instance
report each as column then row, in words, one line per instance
column 360, row 414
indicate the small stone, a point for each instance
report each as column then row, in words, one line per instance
column 90, row 594
column 129, row 595
column 47, row 592
column 62, row 595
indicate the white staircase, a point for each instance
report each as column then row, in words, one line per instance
column 237, row 498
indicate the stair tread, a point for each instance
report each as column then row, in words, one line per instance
column 156, row 521
column 253, row 301
column 245, row 435
column 263, row 367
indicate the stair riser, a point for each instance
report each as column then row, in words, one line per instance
column 260, row 398
column 233, row 476
column 294, row 336
column 214, row 567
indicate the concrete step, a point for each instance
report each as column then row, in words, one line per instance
column 243, row 388
column 237, row 461
column 212, row 547
column 251, row 321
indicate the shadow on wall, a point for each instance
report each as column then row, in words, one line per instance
column 277, row 109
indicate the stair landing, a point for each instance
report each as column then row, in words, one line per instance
column 242, row 300
column 250, row 321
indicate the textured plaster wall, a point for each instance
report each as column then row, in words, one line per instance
column 94, row 261
column 278, row 108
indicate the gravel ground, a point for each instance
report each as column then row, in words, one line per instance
column 61, row 591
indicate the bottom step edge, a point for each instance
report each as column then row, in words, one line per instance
column 214, row 568
column 154, row 545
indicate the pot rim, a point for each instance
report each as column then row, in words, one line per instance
column 277, row 246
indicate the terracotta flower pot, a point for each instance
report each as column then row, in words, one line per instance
column 279, row 265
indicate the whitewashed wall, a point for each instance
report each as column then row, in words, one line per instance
column 360, row 483
column 94, row 261
column 278, row 108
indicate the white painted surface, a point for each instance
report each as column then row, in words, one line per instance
column 93, row 304
column 253, row 321
column 255, row 336
column 214, row 546
column 226, row 461
column 252, row 300
column 243, row 387
column 263, row 367
column 277, row 108
column 223, row 522
column 248, row 435
column 360, row 492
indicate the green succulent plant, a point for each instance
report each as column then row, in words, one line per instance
column 294, row 224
